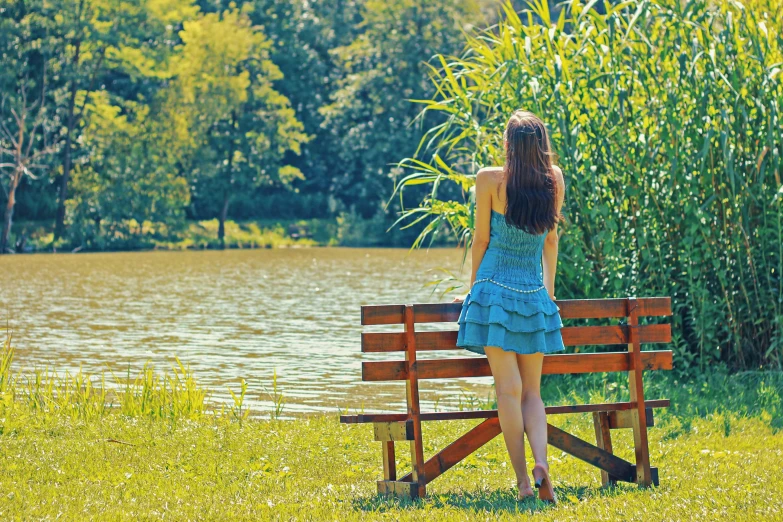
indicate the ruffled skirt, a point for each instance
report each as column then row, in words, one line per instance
column 516, row 322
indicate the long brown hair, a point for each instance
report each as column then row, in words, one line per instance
column 531, row 189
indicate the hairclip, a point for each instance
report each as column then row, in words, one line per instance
column 527, row 130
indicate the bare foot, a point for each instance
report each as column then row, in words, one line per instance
column 525, row 490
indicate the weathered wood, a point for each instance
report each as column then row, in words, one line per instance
column 622, row 419
column 384, row 342
column 414, row 409
column 398, row 488
column 479, row 367
column 389, row 461
column 383, row 314
column 603, row 437
column 636, row 392
column 635, row 414
column 569, row 309
column 617, row 469
column 459, row 449
column 610, row 308
column 373, row 342
column 423, row 313
column 585, row 451
column 617, row 334
column 654, row 474
column 391, row 431
column 487, row 414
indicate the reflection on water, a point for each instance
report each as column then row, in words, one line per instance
column 229, row 315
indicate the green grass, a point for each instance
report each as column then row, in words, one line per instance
column 270, row 234
column 119, row 468
column 265, row 233
column 159, row 452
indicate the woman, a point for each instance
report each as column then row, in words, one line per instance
column 509, row 313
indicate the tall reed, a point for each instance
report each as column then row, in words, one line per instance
column 171, row 395
column 666, row 115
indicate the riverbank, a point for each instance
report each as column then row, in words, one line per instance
column 38, row 236
column 345, row 229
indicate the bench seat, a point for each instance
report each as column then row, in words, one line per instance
column 609, row 407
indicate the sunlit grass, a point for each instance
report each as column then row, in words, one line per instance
column 203, row 234
column 74, row 449
column 44, row 393
column 195, row 235
column 313, row 468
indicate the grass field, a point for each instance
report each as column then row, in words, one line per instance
column 117, row 468
column 160, row 453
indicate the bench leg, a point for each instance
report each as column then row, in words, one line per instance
column 418, row 477
column 389, row 461
column 644, row 476
column 603, row 436
column 414, row 408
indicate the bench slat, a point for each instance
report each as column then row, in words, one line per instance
column 569, row 309
column 608, row 308
column 479, row 367
column 459, row 449
column 487, row 414
column 572, row 336
column 615, row 466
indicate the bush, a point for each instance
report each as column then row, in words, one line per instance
column 666, row 116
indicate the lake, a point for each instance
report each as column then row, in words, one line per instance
column 229, row 315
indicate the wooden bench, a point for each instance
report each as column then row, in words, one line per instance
column 637, row 414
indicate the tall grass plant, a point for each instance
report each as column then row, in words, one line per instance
column 666, row 115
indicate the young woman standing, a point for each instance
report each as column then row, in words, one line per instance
column 510, row 314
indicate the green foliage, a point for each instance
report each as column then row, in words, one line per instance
column 203, row 234
column 130, row 179
column 666, row 117
column 262, row 109
column 277, row 398
column 238, row 410
column 370, row 115
column 240, row 127
column 130, row 234
column 171, row 396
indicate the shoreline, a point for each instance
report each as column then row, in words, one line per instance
column 200, row 235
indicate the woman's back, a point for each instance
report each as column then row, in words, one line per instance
column 512, row 255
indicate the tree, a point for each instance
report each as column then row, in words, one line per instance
column 93, row 38
column 303, row 33
column 129, row 189
column 24, row 120
column 241, row 126
column 371, row 115
column 23, row 139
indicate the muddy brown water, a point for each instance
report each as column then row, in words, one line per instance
column 229, row 315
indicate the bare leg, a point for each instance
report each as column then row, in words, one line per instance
column 508, row 387
column 533, row 412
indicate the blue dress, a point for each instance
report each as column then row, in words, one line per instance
column 508, row 306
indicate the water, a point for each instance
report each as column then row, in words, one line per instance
column 229, row 315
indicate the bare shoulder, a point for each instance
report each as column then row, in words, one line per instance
column 489, row 176
column 558, row 176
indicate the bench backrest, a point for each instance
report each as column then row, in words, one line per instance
column 410, row 341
